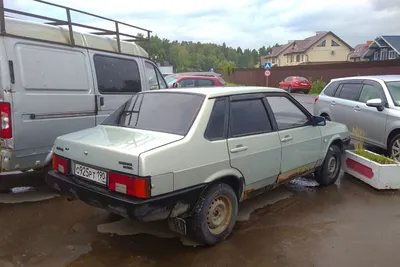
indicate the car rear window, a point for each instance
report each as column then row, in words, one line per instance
column 161, row 112
column 301, row 79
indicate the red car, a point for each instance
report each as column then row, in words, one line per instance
column 192, row 81
column 296, row 84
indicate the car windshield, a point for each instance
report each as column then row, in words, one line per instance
column 394, row 89
column 158, row 111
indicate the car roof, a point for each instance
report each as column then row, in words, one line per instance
column 386, row 78
column 195, row 77
column 212, row 92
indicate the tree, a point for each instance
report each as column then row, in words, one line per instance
column 204, row 56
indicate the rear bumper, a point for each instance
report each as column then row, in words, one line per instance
column 152, row 209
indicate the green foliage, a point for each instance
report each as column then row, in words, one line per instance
column 316, row 86
column 186, row 56
column 359, row 137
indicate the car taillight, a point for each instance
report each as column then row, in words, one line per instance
column 316, row 99
column 129, row 185
column 60, row 164
column 6, row 129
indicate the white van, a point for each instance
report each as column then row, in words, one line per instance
column 55, row 81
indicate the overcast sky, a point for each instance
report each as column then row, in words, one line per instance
column 246, row 23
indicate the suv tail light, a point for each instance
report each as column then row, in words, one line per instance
column 129, row 185
column 6, row 129
column 60, row 164
column 316, row 99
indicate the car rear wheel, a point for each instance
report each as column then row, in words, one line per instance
column 328, row 173
column 394, row 147
column 214, row 215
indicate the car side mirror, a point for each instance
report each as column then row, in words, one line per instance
column 376, row 103
column 318, row 121
column 175, row 85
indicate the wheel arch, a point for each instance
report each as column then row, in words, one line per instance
column 392, row 134
column 232, row 177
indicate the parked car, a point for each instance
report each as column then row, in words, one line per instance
column 202, row 73
column 190, row 156
column 51, row 87
column 371, row 103
column 193, row 81
column 296, row 84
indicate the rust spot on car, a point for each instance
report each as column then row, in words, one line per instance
column 247, row 193
column 297, row 172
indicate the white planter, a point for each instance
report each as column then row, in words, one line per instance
column 376, row 175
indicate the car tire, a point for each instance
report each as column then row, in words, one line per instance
column 289, row 89
column 395, row 142
column 206, row 224
column 328, row 173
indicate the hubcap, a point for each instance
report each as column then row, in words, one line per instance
column 396, row 150
column 219, row 215
column 332, row 166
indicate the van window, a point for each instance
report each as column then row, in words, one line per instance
column 117, row 75
column 154, row 77
column 350, row 91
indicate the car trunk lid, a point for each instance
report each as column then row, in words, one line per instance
column 110, row 147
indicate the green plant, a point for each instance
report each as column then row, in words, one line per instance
column 316, row 86
column 359, row 137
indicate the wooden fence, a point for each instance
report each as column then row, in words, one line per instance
column 326, row 72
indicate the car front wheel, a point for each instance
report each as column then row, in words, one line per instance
column 394, row 148
column 214, row 215
column 328, row 173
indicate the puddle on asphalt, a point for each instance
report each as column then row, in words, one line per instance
column 26, row 194
column 126, row 227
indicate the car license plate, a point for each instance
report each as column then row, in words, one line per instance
column 91, row 174
column 304, row 84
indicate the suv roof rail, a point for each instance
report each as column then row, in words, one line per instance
column 115, row 34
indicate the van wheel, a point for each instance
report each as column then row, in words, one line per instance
column 214, row 215
column 328, row 173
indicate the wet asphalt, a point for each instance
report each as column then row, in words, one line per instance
column 299, row 225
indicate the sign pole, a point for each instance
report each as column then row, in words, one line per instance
column 267, row 81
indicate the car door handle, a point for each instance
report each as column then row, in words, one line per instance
column 333, row 103
column 356, row 108
column 239, row 148
column 286, row 138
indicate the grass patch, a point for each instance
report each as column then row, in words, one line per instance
column 232, row 84
column 374, row 157
column 359, row 135
column 316, row 86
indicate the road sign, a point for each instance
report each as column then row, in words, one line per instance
column 267, row 73
column 267, row 66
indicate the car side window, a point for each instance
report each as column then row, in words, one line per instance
column 370, row 92
column 350, row 91
column 187, row 83
column 205, row 82
column 216, row 123
column 117, row 75
column 249, row 117
column 287, row 114
column 154, row 77
column 331, row 89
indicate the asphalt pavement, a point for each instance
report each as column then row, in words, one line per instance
column 298, row 225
